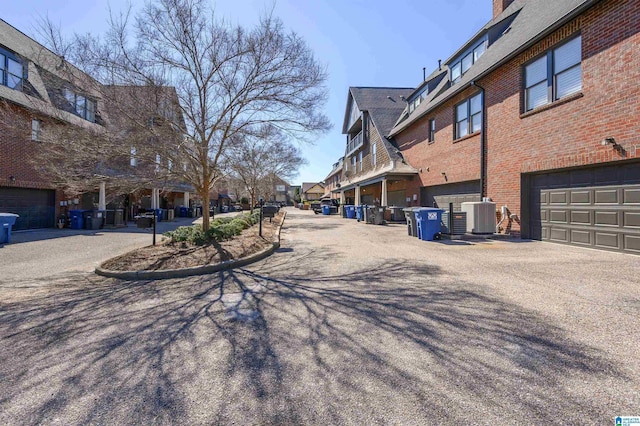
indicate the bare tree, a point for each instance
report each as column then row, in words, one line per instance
column 230, row 81
column 258, row 160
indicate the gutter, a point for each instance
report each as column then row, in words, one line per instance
column 483, row 142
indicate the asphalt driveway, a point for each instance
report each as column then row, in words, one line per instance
column 346, row 324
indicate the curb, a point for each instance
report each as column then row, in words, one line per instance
column 196, row 270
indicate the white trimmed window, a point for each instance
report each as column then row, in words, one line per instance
column 36, row 130
column 554, row 75
column 158, row 160
column 133, row 160
column 469, row 116
column 360, row 159
column 374, row 160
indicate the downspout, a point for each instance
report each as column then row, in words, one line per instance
column 483, row 144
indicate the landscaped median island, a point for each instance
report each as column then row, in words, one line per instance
column 190, row 251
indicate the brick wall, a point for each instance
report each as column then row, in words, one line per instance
column 569, row 132
column 458, row 159
column 18, row 151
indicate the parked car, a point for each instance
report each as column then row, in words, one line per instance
column 317, row 207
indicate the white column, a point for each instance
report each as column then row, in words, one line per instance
column 342, row 198
column 383, row 197
column 155, row 198
column 357, row 195
column 186, row 199
column 102, row 203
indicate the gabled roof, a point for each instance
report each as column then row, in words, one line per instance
column 383, row 104
column 534, row 19
column 308, row 185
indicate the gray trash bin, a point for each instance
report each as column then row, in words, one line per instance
column 412, row 226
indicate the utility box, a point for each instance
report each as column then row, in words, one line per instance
column 481, row 216
column 459, row 223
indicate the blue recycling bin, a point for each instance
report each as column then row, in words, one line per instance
column 184, row 211
column 326, row 210
column 158, row 215
column 360, row 212
column 428, row 221
column 77, row 219
column 351, row 211
column 6, row 222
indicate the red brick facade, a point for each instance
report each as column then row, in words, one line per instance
column 566, row 133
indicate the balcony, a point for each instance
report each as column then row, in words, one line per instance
column 356, row 142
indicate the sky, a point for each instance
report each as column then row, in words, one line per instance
column 373, row 43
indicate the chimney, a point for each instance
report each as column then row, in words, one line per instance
column 499, row 6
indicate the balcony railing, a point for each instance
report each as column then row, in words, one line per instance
column 355, row 143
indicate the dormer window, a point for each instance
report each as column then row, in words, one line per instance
column 463, row 64
column 81, row 105
column 11, row 70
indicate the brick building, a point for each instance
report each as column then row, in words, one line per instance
column 38, row 89
column 44, row 97
column 539, row 112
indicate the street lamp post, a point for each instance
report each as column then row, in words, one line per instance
column 261, row 204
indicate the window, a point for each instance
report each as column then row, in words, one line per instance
column 158, row 160
column 360, row 159
column 463, row 65
column 432, row 130
column 11, row 70
column 81, row 105
column 556, row 74
column 469, row 116
column 133, row 161
column 353, row 162
column 373, row 154
column 36, row 129
column 169, row 164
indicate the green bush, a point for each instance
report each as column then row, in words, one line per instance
column 222, row 228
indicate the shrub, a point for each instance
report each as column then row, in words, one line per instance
column 222, row 228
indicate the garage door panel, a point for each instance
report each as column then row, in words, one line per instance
column 632, row 243
column 558, row 197
column 599, row 207
column 581, row 237
column 581, row 197
column 631, row 219
column 606, row 196
column 558, row 216
column 608, row 240
column 559, row 235
column 606, row 218
column 580, row 217
column 631, row 196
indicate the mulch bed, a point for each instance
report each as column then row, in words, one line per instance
column 184, row 255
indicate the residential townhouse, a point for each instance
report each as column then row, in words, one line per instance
column 539, row 112
column 312, row 191
column 42, row 93
column 38, row 89
column 332, row 182
column 374, row 171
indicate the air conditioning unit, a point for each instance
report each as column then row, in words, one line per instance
column 459, row 223
column 481, row 217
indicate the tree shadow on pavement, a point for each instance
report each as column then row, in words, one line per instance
column 271, row 344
